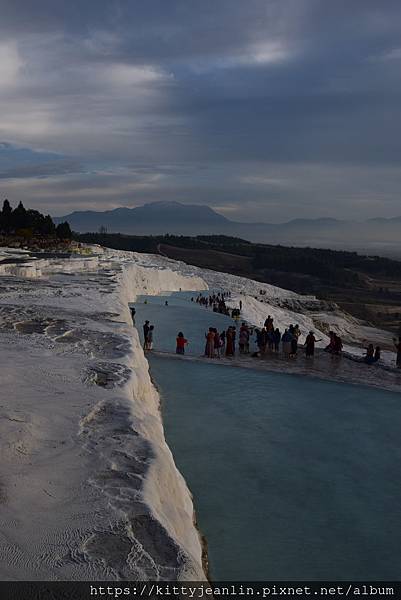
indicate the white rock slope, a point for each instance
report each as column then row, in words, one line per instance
column 88, row 489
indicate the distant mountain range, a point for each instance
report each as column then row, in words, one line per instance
column 381, row 235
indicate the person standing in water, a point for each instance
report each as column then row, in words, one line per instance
column 397, row 346
column 209, row 350
column 234, row 333
column 230, row 347
column 310, row 344
column 145, row 333
column 330, row 346
column 222, row 340
column 294, row 341
column 277, row 339
column 287, row 339
column 217, row 343
column 149, row 338
column 370, row 355
column 243, row 339
column 181, row 343
column 338, row 345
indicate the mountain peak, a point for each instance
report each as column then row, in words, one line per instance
column 172, row 211
column 162, row 217
column 179, row 206
column 165, row 203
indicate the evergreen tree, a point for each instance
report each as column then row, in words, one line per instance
column 19, row 218
column 47, row 226
column 63, row 231
column 35, row 220
column 6, row 217
column 29, row 222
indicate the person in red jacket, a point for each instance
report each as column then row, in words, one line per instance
column 181, row 343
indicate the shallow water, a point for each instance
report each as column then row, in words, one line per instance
column 180, row 315
column 293, row 478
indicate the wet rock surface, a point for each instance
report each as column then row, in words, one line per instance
column 106, row 374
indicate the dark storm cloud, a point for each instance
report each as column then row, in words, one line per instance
column 237, row 104
column 59, row 167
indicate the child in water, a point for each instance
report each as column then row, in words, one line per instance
column 181, row 343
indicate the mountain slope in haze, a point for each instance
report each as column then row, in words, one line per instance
column 379, row 235
column 150, row 217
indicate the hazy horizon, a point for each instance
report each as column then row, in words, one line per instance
column 266, row 111
column 244, row 220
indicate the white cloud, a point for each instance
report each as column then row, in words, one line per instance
column 393, row 54
column 10, row 64
column 123, row 74
column 261, row 180
column 256, row 53
column 56, row 96
column 268, row 52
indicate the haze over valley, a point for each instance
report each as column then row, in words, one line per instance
column 379, row 236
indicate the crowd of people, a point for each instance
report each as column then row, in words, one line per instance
column 217, row 302
column 268, row 339
column 220, row 343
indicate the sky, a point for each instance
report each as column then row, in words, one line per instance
column 265, row 110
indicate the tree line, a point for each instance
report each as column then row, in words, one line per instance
column 334, row 266
column 27, row 223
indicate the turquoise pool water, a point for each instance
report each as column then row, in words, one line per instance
column 293, row 478
column 180, row 315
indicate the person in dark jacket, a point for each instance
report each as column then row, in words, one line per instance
column 370, row 355
column 397, row 346
column 338, row 345
column 263, row 340
column 145, row 333
column 149, row 338
column 330, row 346
column 287, row 343
column 258, row 339
column 276, row 339
column 269, row 324
column 310, row 344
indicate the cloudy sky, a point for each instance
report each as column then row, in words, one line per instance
column 263, row 109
